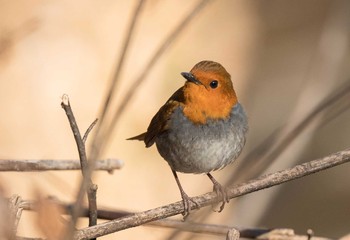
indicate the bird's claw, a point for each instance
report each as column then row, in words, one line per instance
column 222, row 194
column 187, row 205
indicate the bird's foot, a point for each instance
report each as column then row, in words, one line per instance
column 187, row 204
column 221, row 193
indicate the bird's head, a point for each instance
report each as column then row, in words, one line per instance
column 208, row 92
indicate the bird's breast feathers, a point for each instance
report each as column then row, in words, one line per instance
column 200, row 148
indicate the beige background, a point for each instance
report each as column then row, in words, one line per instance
column 284, row 57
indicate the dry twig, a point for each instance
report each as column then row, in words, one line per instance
column 86, row 184
column 49, row 165
column 92, row 125
column 15, row 206
column 232, row 234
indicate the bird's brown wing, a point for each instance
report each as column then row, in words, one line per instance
column 160, row 122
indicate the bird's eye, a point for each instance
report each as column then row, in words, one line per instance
column 214, row 84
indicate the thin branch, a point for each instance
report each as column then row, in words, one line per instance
column 232, row 234
column 92, row 190
column 140, row 79
column 92, row 201
column 288, row 234
column 208, row 228
column 205, row 228
column 16, row 208
column 92, row 125
column 50, row 165
column 207, row 199
column 78, row 140
column 338, row 111
column 87, row 184
column 28, row 238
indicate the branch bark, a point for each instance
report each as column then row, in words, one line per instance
column 257, row 184
column 78, row 140
column 49, row 165
column 86, row 168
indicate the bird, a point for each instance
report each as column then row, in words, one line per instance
column 201, row 128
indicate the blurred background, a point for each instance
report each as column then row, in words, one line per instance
column 285, row 58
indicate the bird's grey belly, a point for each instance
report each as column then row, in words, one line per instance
column 195, row 148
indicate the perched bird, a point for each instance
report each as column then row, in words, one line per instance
column 201, row 128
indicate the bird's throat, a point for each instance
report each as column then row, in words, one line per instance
column 201, row 109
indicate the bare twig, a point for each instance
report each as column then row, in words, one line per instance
column 262, row 182
column 136, row 84
column 337, row 111
column 49, row 165
column 232, row 234
column 92, row 125
column 86, row 184
column 207, row 228
column 78, row 140
column 15, row 206
column 287, row 234
column 28, row 238
column 92, row 190
column 92, row 201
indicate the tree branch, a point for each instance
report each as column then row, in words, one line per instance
column 92, row 125
column 50, row 165
column 92, row 189
column 262, row 182
column 87, row 184
column 78, row 140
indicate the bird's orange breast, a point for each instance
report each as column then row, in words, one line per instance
column 201, row 104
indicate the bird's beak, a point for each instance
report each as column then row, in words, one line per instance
column 189, row 77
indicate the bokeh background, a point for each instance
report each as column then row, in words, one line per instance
column 285, row 58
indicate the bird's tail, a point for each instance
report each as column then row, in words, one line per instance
column 140, row 137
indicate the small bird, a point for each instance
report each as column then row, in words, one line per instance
column 201, row 128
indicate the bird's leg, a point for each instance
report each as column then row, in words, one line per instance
column 220, row 191
column 185, row 198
